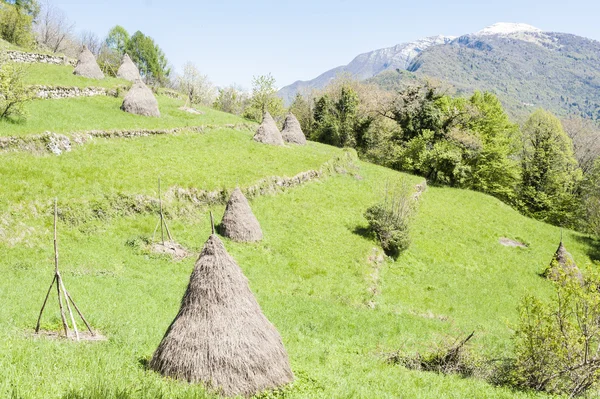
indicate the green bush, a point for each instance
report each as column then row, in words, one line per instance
column 390, row 219
column 557, row 344
column 14, row 94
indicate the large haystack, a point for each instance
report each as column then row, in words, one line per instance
column 292, row 131
column 140, row 100
column 128, row 70
column 239, row 223
column 563, row 262
column 220, row 336
column 87, row 65
column 268, row 132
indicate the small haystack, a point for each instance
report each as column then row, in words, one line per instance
column 128, row 70
column 292, row 131
column 87, row 65
column 239, row 223
column 563, row 262
column 220, row 336
column 140, row 100
column 267, row 132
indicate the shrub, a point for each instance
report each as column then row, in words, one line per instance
column 390, row 219
column 13, row 91
column 557, row 344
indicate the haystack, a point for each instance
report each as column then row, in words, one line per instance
column 220, row 337
column 140, row 100
column 292, row 131
column 87, row 65
column 563, row 262
column 128, row 70
column 239, row 223
column 268, row 132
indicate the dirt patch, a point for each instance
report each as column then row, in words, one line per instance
column 84, row 336
column 171, row 248
column 508, row 242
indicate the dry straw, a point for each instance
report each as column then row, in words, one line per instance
column 267, row 132
column 292, row 131
column 239, row 223
column 87, row 65
column 128, row 70
column 140, row 100
column 220, row 337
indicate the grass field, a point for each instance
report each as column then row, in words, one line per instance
column 62, row 75
column 338, row 311
column 103, row 113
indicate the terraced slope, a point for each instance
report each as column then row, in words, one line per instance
column 339, row 306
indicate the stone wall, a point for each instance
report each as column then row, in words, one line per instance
column 19, row 56
column 57, row 92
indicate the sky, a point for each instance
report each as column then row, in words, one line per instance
column 233, row 40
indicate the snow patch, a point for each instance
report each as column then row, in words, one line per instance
column 507, row 28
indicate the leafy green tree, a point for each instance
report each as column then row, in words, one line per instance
column 117, row 39
column 302, row 108
column 550, row 171
column 16, row 21
column 231, row 99
column 264, row 98
column 590, row 200
column 149, row 58
column 338, row 123
column 496, row 169
column 14, row 94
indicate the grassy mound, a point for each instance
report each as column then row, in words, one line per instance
column 62, row 75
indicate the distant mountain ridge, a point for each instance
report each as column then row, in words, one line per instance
column 524, row 65
column 367, row 65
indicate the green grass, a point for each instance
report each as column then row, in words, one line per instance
column 103, row 113
column 62, row 75
column 312, row 279
column 211, row 160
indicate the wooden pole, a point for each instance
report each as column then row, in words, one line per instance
column 62, row 284
column 162, row 232
column 212, row 223
column 57, row 273
column 37, row 326
column 80, row 314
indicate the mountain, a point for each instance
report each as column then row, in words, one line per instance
column 524, row 65
column 367, row 65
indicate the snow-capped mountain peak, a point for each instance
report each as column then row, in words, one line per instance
column 507, row 28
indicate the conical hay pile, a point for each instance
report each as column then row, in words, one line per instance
column 140, row 101
column 268, row 132
column 292, row 131
column 239, row 223
column 220, row 336
column 128, row 70
column 563, row 262
column 87, row 65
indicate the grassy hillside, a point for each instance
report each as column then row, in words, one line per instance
column 315, row 274
column 62, row 75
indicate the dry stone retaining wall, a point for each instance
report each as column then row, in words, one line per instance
column 20, row 56
column 57, row 92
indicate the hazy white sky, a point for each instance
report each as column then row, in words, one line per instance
column 233, row 40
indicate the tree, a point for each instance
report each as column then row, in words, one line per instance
column 197, row 87
column 264, row 98
column 149, row 58
column 337, row 122
column 53, row 29
column 549, row 169
column 496, row 168
column 302, row 108
column 29, row 7
column 231, row 99
column 557, row 344
column 585, row 135
column 14, row 94
column 91, row 41
column 590, row 199
column 117, row 39
column 16, row 23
